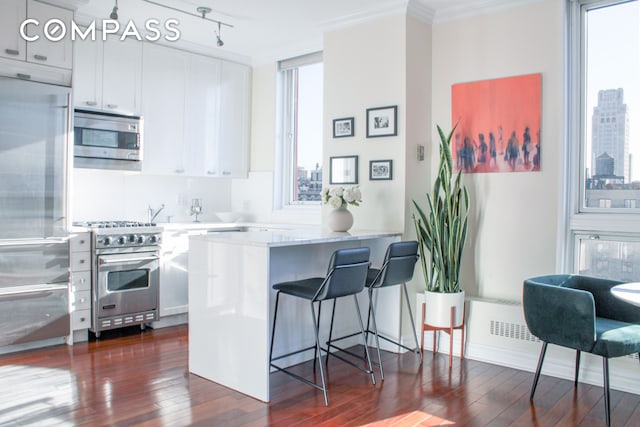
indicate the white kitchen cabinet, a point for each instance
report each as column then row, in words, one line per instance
column 201, row 115
column 12, row 14
column 42, row 51
column 164, row 74
column 174, row 254
column 108, row 74
column 196, row 112
column 80, row 288
column 234, row 120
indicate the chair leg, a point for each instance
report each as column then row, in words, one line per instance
column 372, row 314
column 315, row 350
column 273, row 329
column 538, row 369
column 319, row 354
column 607, row 397
column 364, row 338
column 575, row 381
column 413, row 323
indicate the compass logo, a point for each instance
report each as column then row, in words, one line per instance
column 55, row 30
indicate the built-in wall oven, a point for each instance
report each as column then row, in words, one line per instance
column 107, row 141
column 126, row 262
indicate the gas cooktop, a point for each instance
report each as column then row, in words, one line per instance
column 114, row 224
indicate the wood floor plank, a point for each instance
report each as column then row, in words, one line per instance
column 134, row 378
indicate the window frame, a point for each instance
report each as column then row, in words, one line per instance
column 581, row 221
column 284, row 184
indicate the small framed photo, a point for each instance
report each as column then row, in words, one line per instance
column 343, row 170
column 381, row 121
column 343, row 127
column 380, row 170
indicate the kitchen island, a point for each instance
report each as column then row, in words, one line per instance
column 231, row 301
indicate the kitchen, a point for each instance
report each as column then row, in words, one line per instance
column 391, row 55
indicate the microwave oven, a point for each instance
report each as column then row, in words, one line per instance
column 107, row 141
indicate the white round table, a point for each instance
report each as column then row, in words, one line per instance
column 629, row 292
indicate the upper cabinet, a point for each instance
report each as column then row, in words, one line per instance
column 43, row 50
column 164, row 79
column 234, row 119
column 196, row 112
column 12, row 14
column 108, row 74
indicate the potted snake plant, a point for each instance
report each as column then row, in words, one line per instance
column 441, row 229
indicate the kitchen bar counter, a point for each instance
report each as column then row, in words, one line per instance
column 231, row 302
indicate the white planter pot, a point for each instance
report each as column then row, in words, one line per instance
column 438, row 308
column 340, row 219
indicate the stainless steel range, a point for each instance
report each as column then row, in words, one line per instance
column 125, row 263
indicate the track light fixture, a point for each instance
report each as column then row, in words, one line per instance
column 114, row 12
column 202, row 12
column 220, row 43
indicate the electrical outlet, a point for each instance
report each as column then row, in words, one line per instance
column 420, row 153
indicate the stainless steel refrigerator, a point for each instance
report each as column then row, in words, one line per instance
column 34, row 248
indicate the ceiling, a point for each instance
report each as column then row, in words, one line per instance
column 263, row 30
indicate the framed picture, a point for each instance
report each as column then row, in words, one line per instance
column 496, row 131
column 381, row 121
column 343, row 170
column 343, row 127
column 380, row 170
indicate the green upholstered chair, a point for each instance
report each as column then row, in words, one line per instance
column 581, row 313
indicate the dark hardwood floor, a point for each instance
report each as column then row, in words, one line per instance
column 133, row 378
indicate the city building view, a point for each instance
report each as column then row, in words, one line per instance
column 309, row 184
column 609, row 180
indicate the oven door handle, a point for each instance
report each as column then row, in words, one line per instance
column 121, row 260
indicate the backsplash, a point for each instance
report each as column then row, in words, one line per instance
column 114, row 195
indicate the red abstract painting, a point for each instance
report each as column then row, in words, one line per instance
column 498, row 124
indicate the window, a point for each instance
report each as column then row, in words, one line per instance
column 300, row 156
column 604, row 138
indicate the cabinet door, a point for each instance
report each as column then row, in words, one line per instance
column 174, row 289
column 163, row 100
column 43, row 50
column 201, row 121
column 233, row 132
column 122, row 74
column 87, row 73
column 12, row 14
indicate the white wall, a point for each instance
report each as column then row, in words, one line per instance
column 364, row 67
column 515, row 216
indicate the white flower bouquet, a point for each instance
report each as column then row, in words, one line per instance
column 341, row 196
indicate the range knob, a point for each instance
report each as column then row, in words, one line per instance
column 107, row 240
column 133, row 238
column 141, row 239
column 154, row 239
column 122, row 240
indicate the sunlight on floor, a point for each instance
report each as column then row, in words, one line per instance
column 415, row 418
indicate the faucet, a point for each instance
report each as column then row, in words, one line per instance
column 152, row 214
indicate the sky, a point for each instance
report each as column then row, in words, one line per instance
column 613, row 61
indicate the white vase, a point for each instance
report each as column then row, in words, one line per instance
column 340, row 219
column 438, row 308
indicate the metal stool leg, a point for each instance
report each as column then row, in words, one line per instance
column 575, row 381
column 364, row 339
column 413, row 323
column 315, row 350
column 375, row 331
column 273, row 329
column 319, row 354
column 333, row 314
column 607, row 396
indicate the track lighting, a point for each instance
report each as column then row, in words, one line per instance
column 220, row 43
column 114, row 12
column 201, row 12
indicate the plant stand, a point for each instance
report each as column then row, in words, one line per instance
column 448, row 329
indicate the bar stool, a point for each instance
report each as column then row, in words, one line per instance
column 346, row 276
column 397, row 269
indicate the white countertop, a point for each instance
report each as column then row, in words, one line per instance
column 282, row 237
